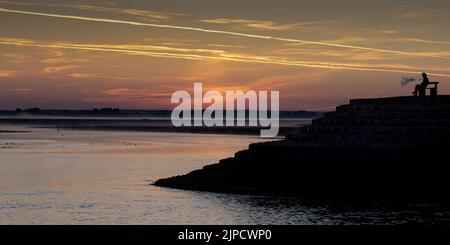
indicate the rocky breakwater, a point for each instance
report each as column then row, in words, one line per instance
column 396, row 148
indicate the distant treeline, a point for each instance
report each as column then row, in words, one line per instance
column 116, row 112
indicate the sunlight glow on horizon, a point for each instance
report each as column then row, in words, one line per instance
column 51, row 58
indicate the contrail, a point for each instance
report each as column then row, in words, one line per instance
column 223, row 32
column 260, row 60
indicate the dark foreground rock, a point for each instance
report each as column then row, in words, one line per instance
column 396, row 148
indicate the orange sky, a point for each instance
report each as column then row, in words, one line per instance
column 135, row 54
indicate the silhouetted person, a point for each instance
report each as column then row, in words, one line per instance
column 422, row 85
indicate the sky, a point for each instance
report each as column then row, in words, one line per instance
column 135, row 54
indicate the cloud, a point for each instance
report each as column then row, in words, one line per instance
column 225, row 46
column 16, row 40
column 257, row 24
column 222, row 56
column 82, row 75
column 265, row 37
column 127, row 93
column 423, row 13
column 98, row 76
column 60, row 60
column 308, row 53
column 16, row 90
column 144, row 47
column 349, row 55
column 152, row 15
column 7, row 73
column 418, row 40
column 23, row 90
column 56, row 69
column 389, row 32
column 16, row 57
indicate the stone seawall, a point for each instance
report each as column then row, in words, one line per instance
column 395, row 148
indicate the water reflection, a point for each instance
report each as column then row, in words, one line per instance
column 93, row 177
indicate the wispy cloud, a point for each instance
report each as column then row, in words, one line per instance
column 145, row 47
column 23, row 90
column 422, row 13
column 16, row 57
column 61, row 60
column 127, row 93
column 7, row 73
column 82, row 75
column 265, row 37
column 98, row 76
column 389, row 32
column 264, row 24
column 307, row 53
column 130, row 96
column 56, row 69
column 418, row 40
column 17, row 90
column 151, row 15
column 224, row 56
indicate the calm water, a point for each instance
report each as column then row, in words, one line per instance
column 95, row 177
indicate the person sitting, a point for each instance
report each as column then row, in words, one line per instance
column 423, row 85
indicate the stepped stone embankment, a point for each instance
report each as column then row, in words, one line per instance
column 396, row 148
